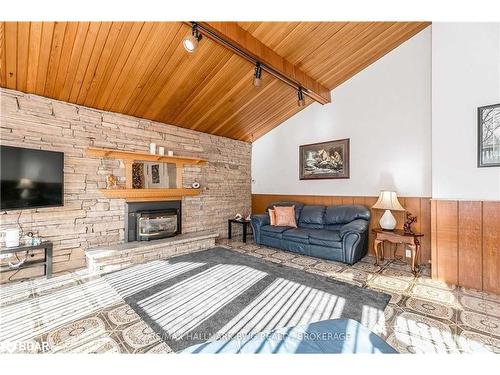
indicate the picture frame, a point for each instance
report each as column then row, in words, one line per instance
column 325, row 160
column 151, row 175
column 488, row 136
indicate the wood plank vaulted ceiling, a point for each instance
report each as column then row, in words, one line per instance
column 141, row 68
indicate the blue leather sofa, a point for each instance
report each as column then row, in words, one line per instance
column 337, row 233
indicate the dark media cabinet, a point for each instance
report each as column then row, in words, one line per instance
column 46, row 261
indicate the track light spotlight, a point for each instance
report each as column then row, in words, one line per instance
column 257, row 81
column 191, row 42
column 300, row 98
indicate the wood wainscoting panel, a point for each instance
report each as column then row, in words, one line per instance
column 469, row 244
column 491, row 246
column 466, row 243
column 434, row 230
column 447, row 241
column 425, row 228
column 420, row 207
column 375, row 218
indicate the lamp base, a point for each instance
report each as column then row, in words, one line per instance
column 387, row 221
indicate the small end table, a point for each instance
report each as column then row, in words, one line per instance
column 46, row 246
column 243, row 222
column 398, row 236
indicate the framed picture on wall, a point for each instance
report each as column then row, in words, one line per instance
column 488, row 134
column 325, row 160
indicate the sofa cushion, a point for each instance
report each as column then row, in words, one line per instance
column 297, row 235
column 330, row 238
column 344, row 214
column 333, row 226
column 285, row 216
column 272, row 216
column 330, row 253
column 312, row 217
column 271, row 241
column 298, row 207
column 327, row 235
column 297, row 232
column 272, row 229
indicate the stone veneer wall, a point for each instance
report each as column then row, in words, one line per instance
column 88, row 219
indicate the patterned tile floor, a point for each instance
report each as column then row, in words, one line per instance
column 79, row 312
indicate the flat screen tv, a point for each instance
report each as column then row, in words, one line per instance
column 31, row 178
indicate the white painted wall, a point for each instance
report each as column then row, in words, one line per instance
column 465, row 75
column 385, row 110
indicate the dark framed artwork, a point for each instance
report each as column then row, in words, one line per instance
column 488, row 136
column 325, row 160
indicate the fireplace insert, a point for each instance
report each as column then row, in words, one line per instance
column 155, row 224
column 145, row 221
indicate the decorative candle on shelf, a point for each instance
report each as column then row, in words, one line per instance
column 161, row 150
column 170, row 153
column 152, row 148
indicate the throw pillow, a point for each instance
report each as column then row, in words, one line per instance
column 285, row 216
column 272, row 216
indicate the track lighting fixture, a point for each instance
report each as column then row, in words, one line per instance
column 300, row 98
column 191, row 42
column 257, row 81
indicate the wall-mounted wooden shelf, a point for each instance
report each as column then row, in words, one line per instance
column 142, row 156
column 140, row 195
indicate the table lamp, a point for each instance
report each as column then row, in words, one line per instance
column 388, row 200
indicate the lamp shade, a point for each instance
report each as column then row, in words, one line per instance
column 388, row 200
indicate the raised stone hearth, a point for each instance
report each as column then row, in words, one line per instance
column 115, row 257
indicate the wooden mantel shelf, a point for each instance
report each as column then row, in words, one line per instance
column 149, row 194
column 142, row 156
column 141, row 195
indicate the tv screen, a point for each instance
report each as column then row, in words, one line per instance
column 31, row 178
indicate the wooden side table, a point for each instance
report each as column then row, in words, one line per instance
column 398, row 236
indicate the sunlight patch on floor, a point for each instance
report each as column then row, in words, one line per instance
column 283, row 303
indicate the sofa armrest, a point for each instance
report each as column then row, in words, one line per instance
column 260, row 220
column 356, row 226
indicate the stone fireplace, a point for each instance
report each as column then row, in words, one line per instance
column 90, row 220
column 152, row 232
column 146, row 221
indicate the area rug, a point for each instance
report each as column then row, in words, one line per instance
column 222, row 294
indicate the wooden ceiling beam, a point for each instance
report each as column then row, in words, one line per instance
column 258, row 51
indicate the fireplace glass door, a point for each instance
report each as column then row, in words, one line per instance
column 152, row 225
